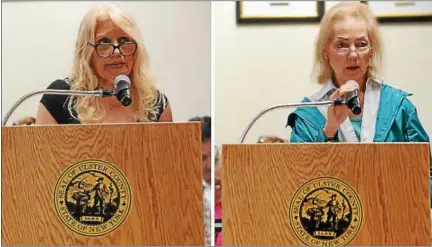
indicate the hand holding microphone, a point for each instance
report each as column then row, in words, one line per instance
column 337, row 114
column 352, row 97
column 342, row 101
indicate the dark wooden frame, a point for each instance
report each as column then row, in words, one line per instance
column 267, row 20
column 398, row 18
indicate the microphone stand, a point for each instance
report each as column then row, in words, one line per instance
column 304, row 104
column 97, row 93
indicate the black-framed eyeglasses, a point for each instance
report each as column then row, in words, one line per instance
column 107, row 50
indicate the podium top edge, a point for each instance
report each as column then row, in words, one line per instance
column 324, row 143
column 104, row 124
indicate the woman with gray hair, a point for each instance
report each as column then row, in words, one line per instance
column 349, row 48
column 109, row 44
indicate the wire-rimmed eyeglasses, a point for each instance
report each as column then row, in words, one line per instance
column 346, row 50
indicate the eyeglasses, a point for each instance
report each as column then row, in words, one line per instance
column 107, row 50
column 346, row 50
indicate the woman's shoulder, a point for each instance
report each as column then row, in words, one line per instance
column 393, row 93
column 57, row 105
column 161, row 102
column 162, row 99
column 62, row 84
column 159, row 105
column 59, row 84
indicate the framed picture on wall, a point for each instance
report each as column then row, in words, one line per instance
column 329, row 4
column 279, row 11
column 401, row 11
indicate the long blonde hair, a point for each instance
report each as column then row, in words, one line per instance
column 339, row 12
column 143, row 90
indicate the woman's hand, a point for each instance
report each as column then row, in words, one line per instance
column 336, row 115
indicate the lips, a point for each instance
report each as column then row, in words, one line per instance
column 353, row 67
column 116, row 65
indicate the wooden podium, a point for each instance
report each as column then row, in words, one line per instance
column 116, row 184
column 326, row 194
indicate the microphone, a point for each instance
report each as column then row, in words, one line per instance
column 95, row 93
column 291, row 105
column 122, row 85
column 352, row 102
column 353, row 99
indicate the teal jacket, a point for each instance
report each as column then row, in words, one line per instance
column 397, row 121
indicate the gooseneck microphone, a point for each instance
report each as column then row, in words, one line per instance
column 95, row 93
column 353, row 99
column 122, row 85
column 122, row 92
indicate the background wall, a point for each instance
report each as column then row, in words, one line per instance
column 39, row 39
column 257, row 66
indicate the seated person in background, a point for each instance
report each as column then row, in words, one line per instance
column 218, row 197
column 271, row 139
column 108, row 44
column 349, row 48
column 29, row 120
column 206, row 150
column 207, row 222
column 206, row 166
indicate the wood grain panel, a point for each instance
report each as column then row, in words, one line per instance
column 161, row 161
column 392, row 182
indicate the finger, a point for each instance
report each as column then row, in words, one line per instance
column 342, row 94
column 347, row 88
column 341, row 110
column 338, row 94
column 335, row 94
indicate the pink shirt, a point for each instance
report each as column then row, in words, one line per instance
column 218, row 215
column 218, row 211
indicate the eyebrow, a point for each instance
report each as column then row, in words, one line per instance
column 99, row 38
column 362, row 37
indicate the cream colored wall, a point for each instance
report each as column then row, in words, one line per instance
column 39, row 39
column 257, row 66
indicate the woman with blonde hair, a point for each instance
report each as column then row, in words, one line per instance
column 271, row 139
column 109, row 44
column 349, row 48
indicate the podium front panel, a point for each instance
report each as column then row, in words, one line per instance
column 326, row 194
column 116, row 184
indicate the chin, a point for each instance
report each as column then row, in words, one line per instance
column 353, row 76
column 114, row 74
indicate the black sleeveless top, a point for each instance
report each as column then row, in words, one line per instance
column 57, row 105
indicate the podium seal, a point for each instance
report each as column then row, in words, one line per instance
column 92, row 197
column 326, row 212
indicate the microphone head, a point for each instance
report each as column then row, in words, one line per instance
column 353, row 100
column 122, row 85
column 122, row 81
column 356, row 109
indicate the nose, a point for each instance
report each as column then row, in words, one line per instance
column 116, row 50
column 352, row 54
